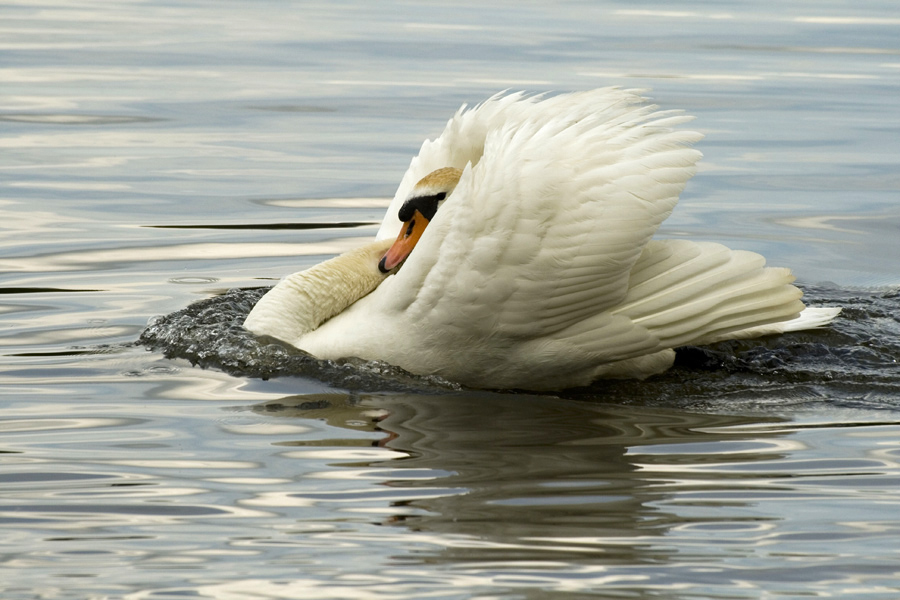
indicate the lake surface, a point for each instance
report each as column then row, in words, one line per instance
column 156, row 154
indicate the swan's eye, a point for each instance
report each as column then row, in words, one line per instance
column 427, row 205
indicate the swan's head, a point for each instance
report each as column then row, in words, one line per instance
column 417, row 211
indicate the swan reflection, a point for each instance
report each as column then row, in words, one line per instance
column 513, row 477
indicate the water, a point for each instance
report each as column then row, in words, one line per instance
column 157, row 154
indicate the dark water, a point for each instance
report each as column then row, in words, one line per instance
column 154, row 156
column 853, row 363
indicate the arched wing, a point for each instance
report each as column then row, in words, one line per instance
column 545, row 226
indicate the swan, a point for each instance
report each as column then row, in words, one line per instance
column 517, row 252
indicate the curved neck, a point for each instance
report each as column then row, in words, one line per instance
column 303, row 301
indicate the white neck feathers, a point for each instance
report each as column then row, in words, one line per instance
column 303, row 301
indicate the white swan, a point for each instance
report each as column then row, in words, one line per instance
column 537, row 269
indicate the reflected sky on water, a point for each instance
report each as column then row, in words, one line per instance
column 157, row 154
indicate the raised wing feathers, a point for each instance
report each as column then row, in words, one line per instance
column 544, row 227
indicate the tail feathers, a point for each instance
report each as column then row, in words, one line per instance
column 694, row 293
column 810, row 318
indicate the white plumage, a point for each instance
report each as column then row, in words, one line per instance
column 537, row 270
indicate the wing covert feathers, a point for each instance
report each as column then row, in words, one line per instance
column 557, row 200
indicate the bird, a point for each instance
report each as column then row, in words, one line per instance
column 519, row 253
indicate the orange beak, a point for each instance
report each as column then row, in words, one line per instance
column 406, row 241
